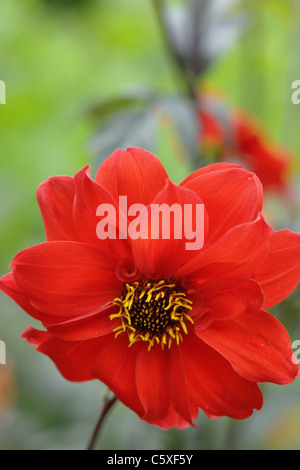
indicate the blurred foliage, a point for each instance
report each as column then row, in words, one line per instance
column 81, row 81
column 68, row 3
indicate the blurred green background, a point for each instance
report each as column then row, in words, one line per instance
column 58, row 60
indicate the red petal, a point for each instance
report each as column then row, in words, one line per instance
column 66, row 278
column 232, row 196
column 84, row 327
column 115, row 366
column 237, row 253
column 152, row 380
column 89, row 195
column 174, row 420
column 230, row 297
column 134, row 173
column 35, row 337
column 213, row 384
column 279, row 273
column 55, row 197
column 74, row 359
column 10, row 288
column 162, row 256
column 179, row 387
column 257, row 346
column 209, row 169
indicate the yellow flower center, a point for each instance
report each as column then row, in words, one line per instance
column 154, row 312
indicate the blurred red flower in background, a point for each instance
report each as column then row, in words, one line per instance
column 227, row 134
column 212, row 135
column 271, row 163
column 195, row 321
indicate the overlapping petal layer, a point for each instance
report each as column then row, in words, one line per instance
column 231, row 195
column 135, row 173
column 257, row 346
column 66, row 278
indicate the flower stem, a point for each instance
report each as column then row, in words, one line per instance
column 187, row 79
column 107, row 405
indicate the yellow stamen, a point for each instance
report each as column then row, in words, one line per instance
column 154, row 312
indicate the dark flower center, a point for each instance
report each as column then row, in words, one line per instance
column 153, row 311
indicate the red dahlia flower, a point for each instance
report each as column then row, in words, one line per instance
column 271, row 163
column 166, row 329
column 226, row 134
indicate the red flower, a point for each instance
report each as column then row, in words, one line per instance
column 166, row 329
column 212, row 134
column 270, row 162
column 226, row 134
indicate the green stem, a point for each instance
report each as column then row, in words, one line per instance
column 186, row 76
